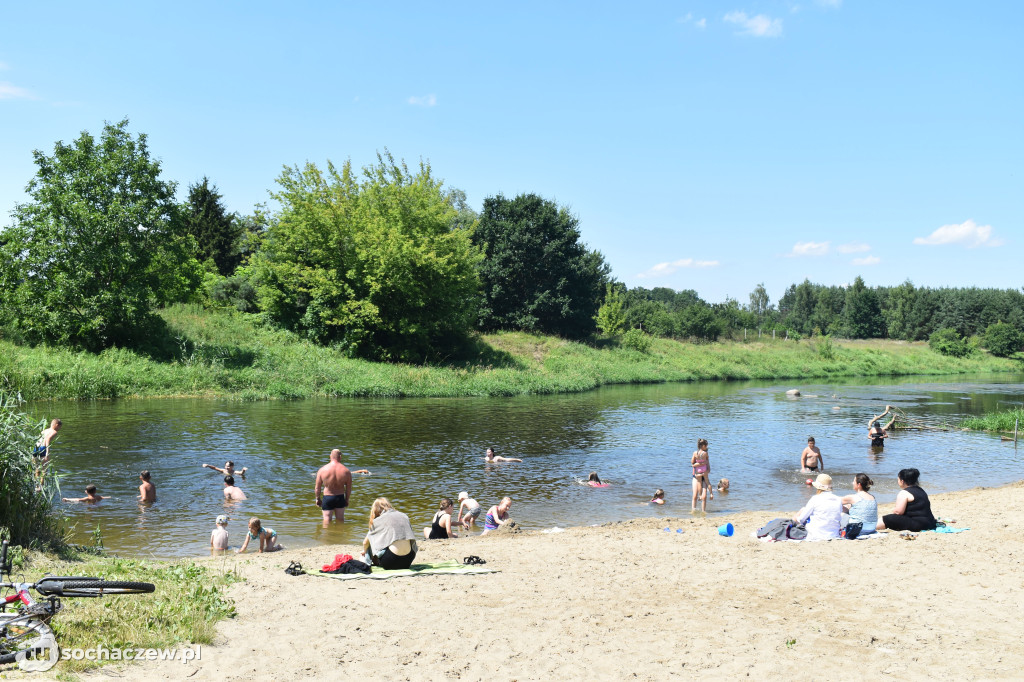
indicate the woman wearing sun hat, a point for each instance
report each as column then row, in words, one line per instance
column 823, row 513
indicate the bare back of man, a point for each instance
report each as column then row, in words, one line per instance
column 333, row 488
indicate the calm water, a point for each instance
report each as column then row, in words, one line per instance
column 636, row 437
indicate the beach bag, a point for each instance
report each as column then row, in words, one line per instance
column 774, row 529
column 853, row 530
column 796, row 531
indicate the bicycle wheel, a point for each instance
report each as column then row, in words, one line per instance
column 83, row 587
column 27, row 641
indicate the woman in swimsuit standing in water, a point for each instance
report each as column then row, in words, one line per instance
column 878, row 433
column 701, row 463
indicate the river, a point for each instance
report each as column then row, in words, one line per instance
column 638, row 438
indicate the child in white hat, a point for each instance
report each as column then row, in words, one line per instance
column 473, row 510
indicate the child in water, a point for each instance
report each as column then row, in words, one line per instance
column 90, row 496
column 723, row 485
column 701, row 463
column 659, row 497
column 266, row 536
column 219, row 536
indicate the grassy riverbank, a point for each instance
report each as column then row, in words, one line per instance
column 997, row 421
column 224, row 354
column 183, row 611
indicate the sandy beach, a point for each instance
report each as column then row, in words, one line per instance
column 631, row 601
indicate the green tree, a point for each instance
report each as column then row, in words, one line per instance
column 1003, row 339
column 948, row 342
column 861, row 314
column 760, row 304
column 899, row 309
column 536, row 273
column 98, row 245
column 376, row 265
column 611, row 319
column 216, row 231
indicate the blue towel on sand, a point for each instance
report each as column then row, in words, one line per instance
column 946, row 529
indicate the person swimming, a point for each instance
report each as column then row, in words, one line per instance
column 594, row 481
column 491, row 457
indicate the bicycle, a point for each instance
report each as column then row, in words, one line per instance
column 25, row 635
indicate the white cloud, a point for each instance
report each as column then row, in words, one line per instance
column 967, row 233
column 701, row 23
column 853, row 247
column 424, row 101
column 835, row 4
column 662, row 269
column 760, row 25
column 683, row 20
column 8, row 91
column 809, row 249
column 867, row 260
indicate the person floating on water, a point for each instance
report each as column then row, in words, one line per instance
column 90, row 496
column 228, row 470
column 47, row 436
column 810, row 458
column 491, row 457
column 878, row 433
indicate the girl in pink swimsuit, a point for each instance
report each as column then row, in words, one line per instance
column 701, row 463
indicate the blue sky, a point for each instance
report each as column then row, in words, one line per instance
column 703, row 145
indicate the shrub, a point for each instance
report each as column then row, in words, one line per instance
column 948, row 342
column 1003, row 339
column 636, row 339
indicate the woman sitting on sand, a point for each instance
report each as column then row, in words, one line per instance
column 497, row 515
column 913, row 510
column 862, row 507
column 391, row 543
column 823, row 513
column 441, row 526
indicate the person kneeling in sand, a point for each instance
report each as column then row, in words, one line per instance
column 266, row 536
column 90, row 496
column 491, row 457
column 497, row 515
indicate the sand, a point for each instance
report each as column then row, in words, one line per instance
column 631, row 601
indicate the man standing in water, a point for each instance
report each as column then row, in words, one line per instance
column 333, row 488
column 878, row 433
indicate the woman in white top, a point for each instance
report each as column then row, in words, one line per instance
column 822, row 515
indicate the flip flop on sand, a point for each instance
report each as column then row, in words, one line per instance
column 473, row 560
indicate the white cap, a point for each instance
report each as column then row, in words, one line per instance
column 222, row 520
column 463, row 495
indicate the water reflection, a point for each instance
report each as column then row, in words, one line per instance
column 639, row 438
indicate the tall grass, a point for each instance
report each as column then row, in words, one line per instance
column 27, row 517
column 228, row 354
column 1005, row 420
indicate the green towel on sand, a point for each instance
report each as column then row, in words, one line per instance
column 947, row 529
column 437, row 567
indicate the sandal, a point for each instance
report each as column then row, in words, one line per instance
column 294, row 568
column 473, row 560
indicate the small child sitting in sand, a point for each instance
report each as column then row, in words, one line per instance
column 90, row 496
column 659, row 497
column 219, row 536
column 473, row 510
column 266, row 536
column 723, row 485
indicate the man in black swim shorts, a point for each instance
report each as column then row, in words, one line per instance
column 330, row 502
column 333, row 488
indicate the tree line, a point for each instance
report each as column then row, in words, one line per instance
column 383, row 262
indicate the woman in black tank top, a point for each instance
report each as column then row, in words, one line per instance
column 441, row 526
column 913, row 508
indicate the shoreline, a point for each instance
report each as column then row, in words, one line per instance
column 629, row 600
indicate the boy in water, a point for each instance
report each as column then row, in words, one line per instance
column 231, row 491
column 491, row 457
column 228, row 470
column 147, row 491
column 90, row 496
column 42, row 451
column 219, row 536
column 810, row 458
